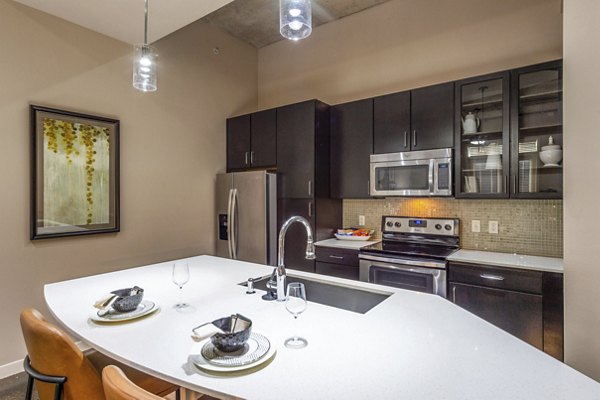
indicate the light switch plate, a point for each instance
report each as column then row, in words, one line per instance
column 475, row 225
column 493, row 227
column 361, row 220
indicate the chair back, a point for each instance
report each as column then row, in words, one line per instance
column 118, row 387
column 52, row 352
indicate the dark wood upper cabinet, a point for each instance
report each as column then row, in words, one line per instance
column 432, row 117
column 482, row 142
column 537, row 116
column 263, row 130
column 252, row 141
column 296, row 150
column 351, row 148
column 238, row 142
column 517, row 112
column 391, row 123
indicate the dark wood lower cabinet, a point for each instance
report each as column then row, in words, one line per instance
column 337, row 270
column 516, row 313
column 338, row 262
column 527, row 304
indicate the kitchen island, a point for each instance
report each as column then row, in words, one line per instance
column 410, row 346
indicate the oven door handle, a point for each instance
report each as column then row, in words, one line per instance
column 397, row 262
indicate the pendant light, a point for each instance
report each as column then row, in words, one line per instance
column 295, row 19
column 144, row 61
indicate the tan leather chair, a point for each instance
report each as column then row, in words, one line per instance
column 52, row 352
column 118, row 387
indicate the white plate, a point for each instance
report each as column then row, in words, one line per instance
column 146, row 307
column 355, row 238
column 254, row 349
column 202, row 363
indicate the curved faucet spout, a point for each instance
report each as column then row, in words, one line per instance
column 310, row 252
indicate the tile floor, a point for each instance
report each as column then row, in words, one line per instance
column 14, row 387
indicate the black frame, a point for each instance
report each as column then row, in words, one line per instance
column 32, row 375
column 37, row 160
column 458, row 181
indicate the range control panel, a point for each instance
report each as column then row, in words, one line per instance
column 429, row 226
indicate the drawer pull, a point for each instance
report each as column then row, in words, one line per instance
column 337, row 257
column 492, row 277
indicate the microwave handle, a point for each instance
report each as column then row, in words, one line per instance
column 431, row 175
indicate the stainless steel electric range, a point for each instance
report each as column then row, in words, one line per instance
column 412, row 254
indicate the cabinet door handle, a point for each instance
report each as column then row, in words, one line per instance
column 246, row 156
column 514, row 184
column 310, row 208
column 336, row 257
column 405, row 139
column 454, row 294
column 492, row 277
column 251, row 157
column 415, row 138
column 309, row 187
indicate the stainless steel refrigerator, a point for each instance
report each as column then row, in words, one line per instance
column 247, row 216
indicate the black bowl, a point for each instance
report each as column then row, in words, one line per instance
column 231, row 341
column 126, row 302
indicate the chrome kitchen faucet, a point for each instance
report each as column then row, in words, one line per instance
column 279, row 271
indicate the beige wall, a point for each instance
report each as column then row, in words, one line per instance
column 172, row 144
column 404, row 44
column 582, row 185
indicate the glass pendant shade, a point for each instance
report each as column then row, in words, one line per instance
column 144, row 68
column 295, row 19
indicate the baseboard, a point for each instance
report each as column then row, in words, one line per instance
column 15, row 367
column 11, row 368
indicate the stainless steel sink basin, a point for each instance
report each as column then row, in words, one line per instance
column 329, row 294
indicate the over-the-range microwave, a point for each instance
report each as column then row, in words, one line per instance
column 412, row 173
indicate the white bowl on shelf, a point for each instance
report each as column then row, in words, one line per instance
column 551, row 157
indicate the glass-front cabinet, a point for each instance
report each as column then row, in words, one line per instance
column 509, row 134
column 536, row 131
column 482, row 145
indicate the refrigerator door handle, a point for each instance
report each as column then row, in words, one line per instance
column 229, row 224
column 234, row 223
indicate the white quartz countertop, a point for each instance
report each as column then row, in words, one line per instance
column 535, row 263
column 346, row 244
column 411, row 346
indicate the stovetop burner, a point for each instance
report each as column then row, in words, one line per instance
column 433, row 238
column 410, row 249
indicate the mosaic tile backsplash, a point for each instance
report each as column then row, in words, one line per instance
column 532, row 227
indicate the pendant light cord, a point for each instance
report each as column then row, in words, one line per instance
column 146, row 22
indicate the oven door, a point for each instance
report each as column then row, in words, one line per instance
column 417, row 275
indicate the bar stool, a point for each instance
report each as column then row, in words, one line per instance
column 53, row 356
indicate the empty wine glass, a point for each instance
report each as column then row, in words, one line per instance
column 296, row 304
column 180, row 275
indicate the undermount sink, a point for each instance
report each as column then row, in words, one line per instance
column 334, row 295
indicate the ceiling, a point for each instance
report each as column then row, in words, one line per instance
column 124, row 19
column 257, row 21
column 253, row 21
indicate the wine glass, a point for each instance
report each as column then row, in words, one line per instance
column 296, row 304
column 180, row 275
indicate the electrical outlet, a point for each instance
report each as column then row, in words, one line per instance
column 361, row 220
column 475, row 225
column 493, row 227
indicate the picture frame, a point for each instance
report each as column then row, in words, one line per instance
column 74, row 173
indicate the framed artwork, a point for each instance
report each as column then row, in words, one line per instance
column 74, row 173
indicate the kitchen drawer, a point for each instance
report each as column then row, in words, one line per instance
column 496, row 277
column 337, row 256
column 337, row 270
